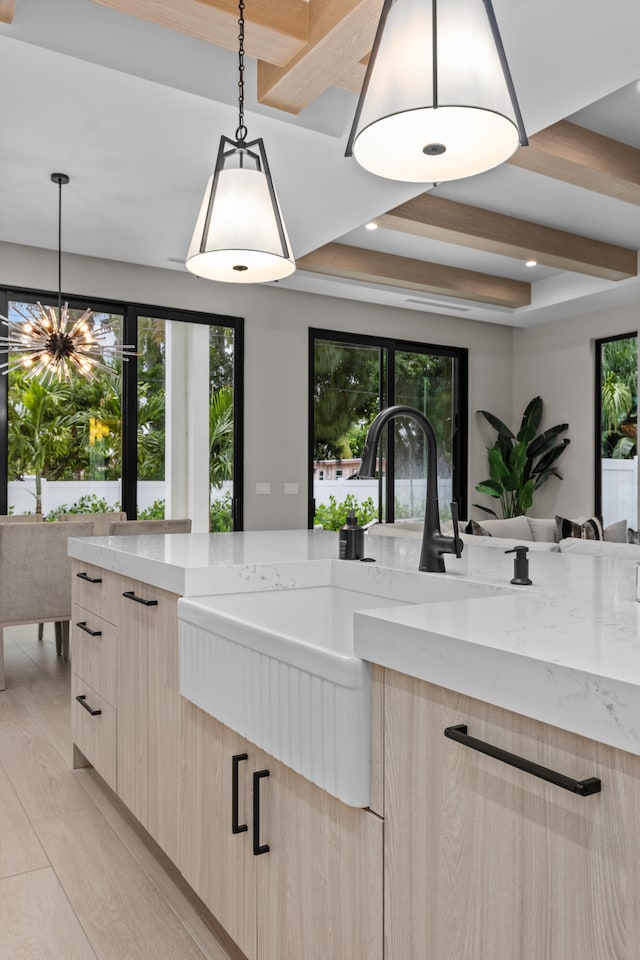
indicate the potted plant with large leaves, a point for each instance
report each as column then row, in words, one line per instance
column 520, row 463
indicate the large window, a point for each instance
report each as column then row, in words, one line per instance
column 353, row 378
column 118, row 441
column 616, row 429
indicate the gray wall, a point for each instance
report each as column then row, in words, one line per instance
column 276, row 358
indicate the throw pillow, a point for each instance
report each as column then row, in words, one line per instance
column 515, row 528
column 542, row 530
column 590, row 529
column 476, row 529
column 616, row 532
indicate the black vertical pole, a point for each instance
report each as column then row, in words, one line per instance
column 130, row 417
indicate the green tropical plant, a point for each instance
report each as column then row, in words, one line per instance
column 221, row 514
column 221, row 436
column 88, row 503
column 519, row 464
column 41, row 424
column 333, row 515
column 154, row 512
column 618, row 398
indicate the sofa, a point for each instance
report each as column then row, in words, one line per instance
column 587, row 535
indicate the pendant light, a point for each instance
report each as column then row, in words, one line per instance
column 51, row 344
column 438, row 102
column 240, row 236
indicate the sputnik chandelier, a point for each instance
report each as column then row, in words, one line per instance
column 49, row 343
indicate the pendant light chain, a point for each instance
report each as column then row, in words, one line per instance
column 241, row 132
column 239, row 235
column 59, row 249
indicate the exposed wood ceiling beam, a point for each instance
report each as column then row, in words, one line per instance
column 353, row 77
column 341, row 33
column 7, row 10
column 371, row 266
column 275, row 31
column 439, row 219
column 576, row 155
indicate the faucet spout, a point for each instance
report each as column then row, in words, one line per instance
column 434, row 544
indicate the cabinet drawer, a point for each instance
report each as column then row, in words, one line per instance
column 94, row 734
column 94, row 652
column 96, row 589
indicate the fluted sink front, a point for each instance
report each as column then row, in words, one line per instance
column 278, row 667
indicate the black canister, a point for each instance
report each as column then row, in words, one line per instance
column 351, row 539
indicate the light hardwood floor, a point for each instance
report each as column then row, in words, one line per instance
column 78, row 877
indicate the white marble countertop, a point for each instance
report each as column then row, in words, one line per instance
column 565, row 650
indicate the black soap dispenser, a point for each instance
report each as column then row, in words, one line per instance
column 351, row 539
column 520, row 566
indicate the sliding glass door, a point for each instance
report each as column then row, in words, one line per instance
column 616, row 426
column 156, row 435
column 64, row 440
column 353, row 378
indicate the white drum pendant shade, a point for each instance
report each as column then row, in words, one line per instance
column 437, row 102
column 240, row 236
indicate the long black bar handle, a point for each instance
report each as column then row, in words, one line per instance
column 455, row 519
column 583, row 788
column 130, row 595
column 258, row 848
column 235, row 826
column 82, row 625
column 82, row 700
column 85, row 576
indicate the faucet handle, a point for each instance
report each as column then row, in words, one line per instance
column 455, row 517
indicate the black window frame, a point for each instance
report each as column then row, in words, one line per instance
column 597, row 486
column 460, row 446
column 130, row 312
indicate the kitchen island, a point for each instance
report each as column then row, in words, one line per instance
column 480, row 859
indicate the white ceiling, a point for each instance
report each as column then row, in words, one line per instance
column 133, row 113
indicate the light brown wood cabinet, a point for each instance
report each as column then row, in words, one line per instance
column 320, row 884
column 317, row 891
column 124, row 654
column 94, row 653
column 486, row 861
column 149, row 710
column 216, row 862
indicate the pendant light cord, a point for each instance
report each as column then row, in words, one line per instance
column 241, row 132
column 59, row 249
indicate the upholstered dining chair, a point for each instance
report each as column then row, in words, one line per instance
column 35, row 573
column 130, row 528
column 24, row 518
column 101, row 521
column 20, row 517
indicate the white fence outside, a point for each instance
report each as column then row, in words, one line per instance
column 620, row 491
column 410, row 493
column 57, row 493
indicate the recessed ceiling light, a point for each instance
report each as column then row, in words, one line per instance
column 371, row 226
column 532, row 263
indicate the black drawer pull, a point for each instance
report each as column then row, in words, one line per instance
column 85, row 576
column 130, row 595
column 258, row 848
column 82, row 625
column 235, row 826
column 82, row 701
column 584, row 788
